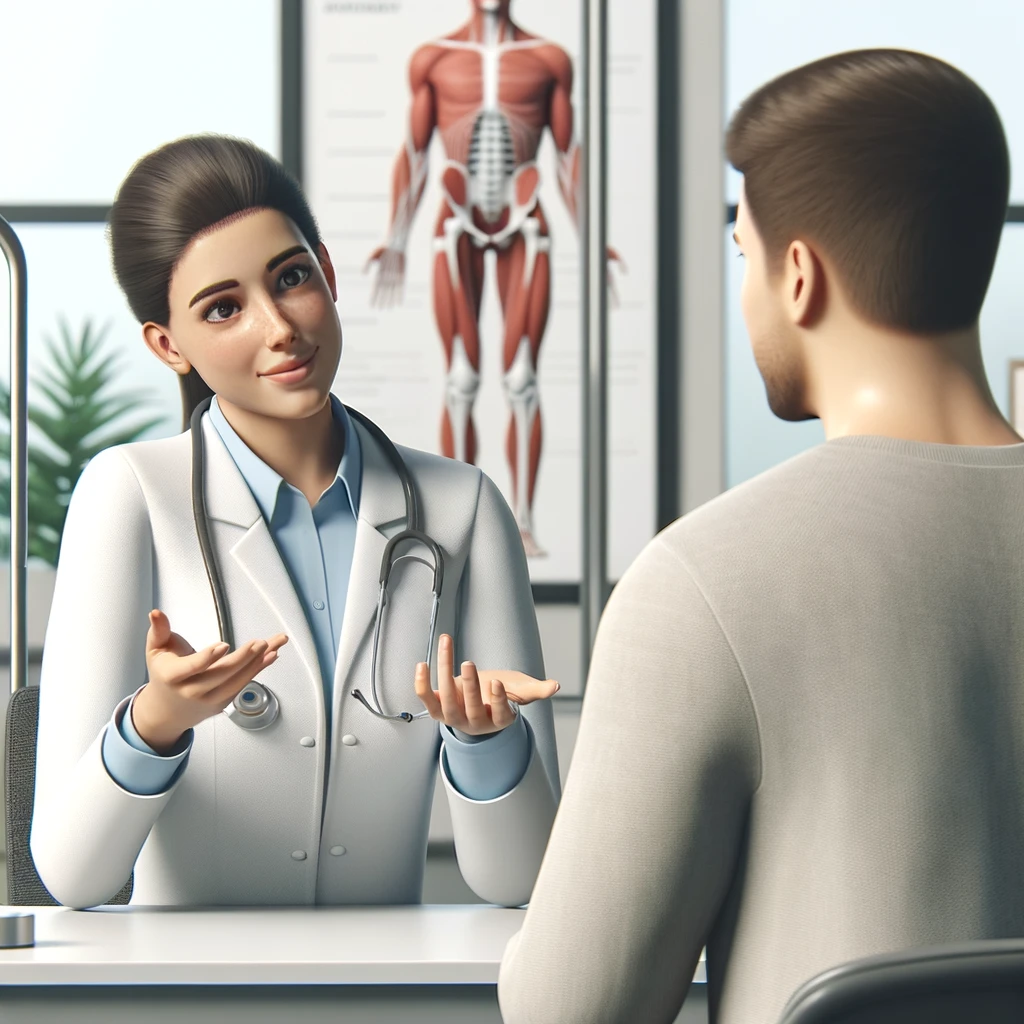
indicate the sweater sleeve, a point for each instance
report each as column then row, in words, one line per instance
column 649, row 828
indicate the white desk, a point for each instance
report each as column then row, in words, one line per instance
column 357, row 965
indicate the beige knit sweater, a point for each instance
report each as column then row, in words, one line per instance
column 802, row 742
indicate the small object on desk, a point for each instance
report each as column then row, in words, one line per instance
column 17, row 929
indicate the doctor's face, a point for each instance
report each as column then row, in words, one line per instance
column 252, row 309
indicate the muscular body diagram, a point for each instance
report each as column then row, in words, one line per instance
column 490, row 90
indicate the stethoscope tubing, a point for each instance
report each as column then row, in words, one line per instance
column 256, row 707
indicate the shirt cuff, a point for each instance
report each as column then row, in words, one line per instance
column 486, row 770
column 133, row 764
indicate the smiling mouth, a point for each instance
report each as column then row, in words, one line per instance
column 291, row 369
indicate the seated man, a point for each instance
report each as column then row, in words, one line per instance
column 803, row 735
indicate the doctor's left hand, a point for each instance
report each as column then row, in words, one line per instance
column 477, row 701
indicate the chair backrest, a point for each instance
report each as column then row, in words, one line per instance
column 967, row 983
column 24, row 887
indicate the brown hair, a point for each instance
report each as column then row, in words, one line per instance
column 176, row 193
column 895, row 164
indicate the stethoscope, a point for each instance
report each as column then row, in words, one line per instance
column 256, row 707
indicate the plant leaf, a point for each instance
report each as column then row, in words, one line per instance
column 81, row 420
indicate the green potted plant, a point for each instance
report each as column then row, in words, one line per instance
column 78, row 421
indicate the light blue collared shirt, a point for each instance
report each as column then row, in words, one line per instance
column 316, row 544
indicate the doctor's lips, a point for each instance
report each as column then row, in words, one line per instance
column 291, row 369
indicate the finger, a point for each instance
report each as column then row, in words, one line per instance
column 451, row 704
column 159, row 630
column 240, row 657
column 445, row 661
column 192, row 664
column 277, row 641
column 535, row 689
column 425, row 693
column 238, row 662
column 473, row 700
column 229, row 668
column 269, row 657
column 228, row 687
column 501, row 714
column 175, row 668
column 227, row 692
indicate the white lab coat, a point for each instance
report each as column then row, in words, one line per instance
column 246, row 822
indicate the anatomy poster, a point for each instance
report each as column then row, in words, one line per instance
column 441, row 160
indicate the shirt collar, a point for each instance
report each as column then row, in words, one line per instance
column 265, row 483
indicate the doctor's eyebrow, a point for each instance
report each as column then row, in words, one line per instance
column 276, row 261
column 286, row 255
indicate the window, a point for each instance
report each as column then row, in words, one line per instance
column 94, row 86
column 70, row 280
column 764, row 40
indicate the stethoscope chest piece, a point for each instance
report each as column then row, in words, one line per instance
column 254, row 708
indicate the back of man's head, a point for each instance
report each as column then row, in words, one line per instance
column 895, row 165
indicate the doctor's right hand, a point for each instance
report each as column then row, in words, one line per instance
column 187, row 686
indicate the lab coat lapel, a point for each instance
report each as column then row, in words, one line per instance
column 382, row 513
column 229, row 500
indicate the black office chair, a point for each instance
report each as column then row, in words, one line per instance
column 965, row 983
column 24, row 887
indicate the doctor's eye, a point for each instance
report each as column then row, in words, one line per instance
column 224, row 308
column 296, row 274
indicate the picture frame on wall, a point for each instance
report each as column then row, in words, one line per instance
column 355, row 124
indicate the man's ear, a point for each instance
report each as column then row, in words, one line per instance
column 328, row 268
column 161, row 344
column 804, row 284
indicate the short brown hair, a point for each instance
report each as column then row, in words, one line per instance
column 895, row 164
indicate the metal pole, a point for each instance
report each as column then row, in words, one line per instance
column 701, row 391
column 593, row 238
column 15, row 256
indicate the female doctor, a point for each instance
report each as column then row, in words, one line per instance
column 145, row 761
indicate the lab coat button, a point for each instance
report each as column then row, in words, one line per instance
column 349, row 740
column 298, row 854
column 307, row 741
column 318, row 605
column 337, row 851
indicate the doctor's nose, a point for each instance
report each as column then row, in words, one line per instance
column 275, row 327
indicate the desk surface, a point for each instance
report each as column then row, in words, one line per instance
column 450, row 944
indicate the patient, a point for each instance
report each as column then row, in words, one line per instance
column 803, row 736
